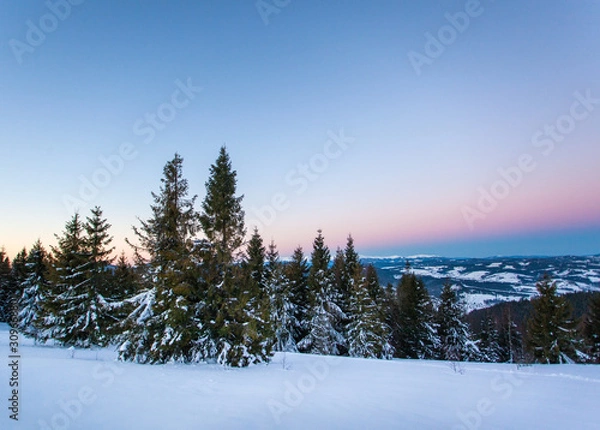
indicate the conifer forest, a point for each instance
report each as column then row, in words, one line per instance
column 204, row 287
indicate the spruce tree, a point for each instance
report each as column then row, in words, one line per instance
column 98, row 248
column 223, row 218
column 373, row 287
column 551, row 333
column 391, row 313
column 414, row 333
column 36, row 288
column 76, row 311
column 325, row 314
column 296, row 273
column 94, row 307
column 489, row 342
column 5, row 286
column 18, row 275
column 511, row 339
column 124, row 280
column 346, row 265
column 124, row 286
column 342, row 286
column 368, row 336
column 453, row 332
column 65, row 306
column 351, row 278
column 341, row 279
column 255, row 341
column 591, row 329
column 283, row 312
column 163, row 326
column 237, row 311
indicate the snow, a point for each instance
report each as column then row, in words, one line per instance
column 298, row 391
column 431, row 271
column 473, row 301
column 504, row 277
column 456, row 274
column 473, row 276
column 381, row 257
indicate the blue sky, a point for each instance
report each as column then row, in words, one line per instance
column 420, row 145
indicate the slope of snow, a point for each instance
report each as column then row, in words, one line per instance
column 477, row 275
column 432, row 271
column 67, row 389
column 473, row 301
column 504, row 277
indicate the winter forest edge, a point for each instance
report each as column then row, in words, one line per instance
column 198, row 292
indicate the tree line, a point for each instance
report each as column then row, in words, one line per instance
column 198, row 291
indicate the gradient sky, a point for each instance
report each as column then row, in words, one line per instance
column 274, row 90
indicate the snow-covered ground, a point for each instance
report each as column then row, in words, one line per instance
column 66, row 389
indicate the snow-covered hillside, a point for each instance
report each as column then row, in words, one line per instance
column 487, row 281
column 82, row 389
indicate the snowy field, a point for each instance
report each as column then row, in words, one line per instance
column 66, row 389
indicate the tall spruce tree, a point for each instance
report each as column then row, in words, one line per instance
column 76, row 311
column 455, row 343
column 296, row 273
column 551, row 332
column 325, row 314
column 97, row 243
column 256, row 339
column 222, row 218
column 342, row 286
column 351, row 277
column 368, row 335
column 94, row 307
column 36, row 288
column 342, row 281
column 65, row 304
column 236, row 331
column 163, row 326
column 414, row 333
column 283, row 313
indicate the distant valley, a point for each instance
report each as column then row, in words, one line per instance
column 484, row 282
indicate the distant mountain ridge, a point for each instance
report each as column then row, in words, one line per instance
column 484, row 282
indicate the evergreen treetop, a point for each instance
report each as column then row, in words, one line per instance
column 223, row 218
